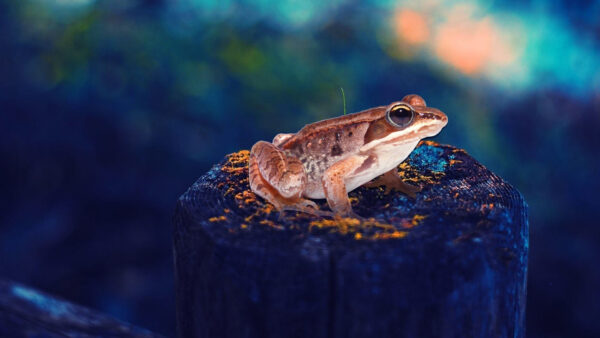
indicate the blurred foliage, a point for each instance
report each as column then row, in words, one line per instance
column 111, row 109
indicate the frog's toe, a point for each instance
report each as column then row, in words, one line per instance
column 305, row 206
column 408, row 189
column 392, row 181
column 403, row 187
column 308, row 204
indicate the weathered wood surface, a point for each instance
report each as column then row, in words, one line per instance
column 450, row 263
column 26, row 312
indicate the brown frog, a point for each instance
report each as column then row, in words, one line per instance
column 329, row 158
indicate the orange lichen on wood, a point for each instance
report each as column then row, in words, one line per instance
column 487, row 207
column 261, row 212
column 359, row 228
column 410, row 174
column 246, row 197
column 237, row 162
column 217, row 219
column 389, row 235
column 268, row 208
column 416, row 220
column 239, row 158
column 229, row 190
column 381, row 235
column 342, row 225
column 271, row 224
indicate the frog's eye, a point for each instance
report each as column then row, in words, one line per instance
column 400, row 115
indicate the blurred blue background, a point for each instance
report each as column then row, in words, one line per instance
column 110, row 109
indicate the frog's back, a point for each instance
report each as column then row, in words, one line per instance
column 333, row 126
column 341, row 121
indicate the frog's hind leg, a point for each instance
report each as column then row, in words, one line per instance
column 282, row 173
column 279, row 179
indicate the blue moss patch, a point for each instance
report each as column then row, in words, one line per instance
column 430, row 157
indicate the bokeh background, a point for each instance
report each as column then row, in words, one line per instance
column 110, row 109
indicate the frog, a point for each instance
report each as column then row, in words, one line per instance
column 329, row 158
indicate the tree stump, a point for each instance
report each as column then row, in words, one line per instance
column 450, row 263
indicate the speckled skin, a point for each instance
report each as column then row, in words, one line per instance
column 329, row 158
column 319, row 148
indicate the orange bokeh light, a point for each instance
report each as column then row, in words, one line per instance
column 411, row 26
column 471, row 45
column 458, row 37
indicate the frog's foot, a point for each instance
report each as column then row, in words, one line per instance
column 305, row 206
column 392, row 181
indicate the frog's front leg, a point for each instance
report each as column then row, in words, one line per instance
column 391, row 180
column 334, row 185
column 279, row 179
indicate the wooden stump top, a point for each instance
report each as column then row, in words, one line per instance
column 452, row 261
column 456, row 190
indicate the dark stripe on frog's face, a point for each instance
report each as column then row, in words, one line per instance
column 432, row 114
column 378, row 129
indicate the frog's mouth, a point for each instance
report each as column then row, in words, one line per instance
column 395, row 139
column 435, row 123
column 431, row 130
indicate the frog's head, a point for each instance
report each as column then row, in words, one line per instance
column 404, row 122
column 411, row 116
